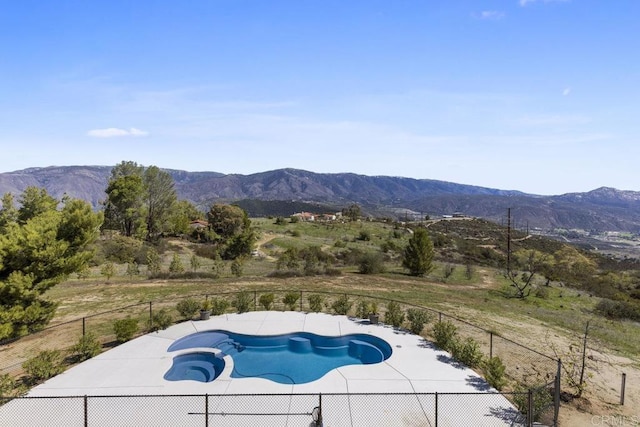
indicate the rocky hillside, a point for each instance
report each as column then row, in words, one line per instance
column 601, row 209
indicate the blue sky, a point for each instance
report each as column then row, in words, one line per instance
column 541, row 96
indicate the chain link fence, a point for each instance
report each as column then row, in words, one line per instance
column 277, row 410
column 531, row 372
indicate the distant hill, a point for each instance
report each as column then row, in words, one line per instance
column 284, row 191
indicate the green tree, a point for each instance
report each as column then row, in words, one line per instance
column 125, row 196
column 8, row 212
column 108, row 270
column 41, row 247
column 181, row 215
column 353, row 212
column 35, row 201
column 530, row 263
column 231, row 227
column 153, row 262
column 195, row 263
column 418, row 254
column 160, row 197
column 176, row 265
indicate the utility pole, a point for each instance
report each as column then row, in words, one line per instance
column 508, row 240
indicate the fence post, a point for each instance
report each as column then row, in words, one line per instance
column 83, row 326
column 624, row 382
column 556, row 394
column 319, row 420
column 439, row 316
column 206, row 410
column 490, row 345
column 86, row 411
column 150, row 315
column 530, row 408
column 436, row 412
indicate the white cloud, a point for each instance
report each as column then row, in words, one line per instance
column 566, row 91
column 523, row 3
column 491, row 15
column 116, row 132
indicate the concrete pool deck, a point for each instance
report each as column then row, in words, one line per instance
column 138, row 366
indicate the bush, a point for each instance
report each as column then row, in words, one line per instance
column 394, row 315
column 176, row 266
column 468, row 352
column 7, row 385
column 342, row 305
column 44, row 365
column 445, row 335
column 242, row 302
column 237, row 267
column 618, row 309
column 266, row 301
column 494, row 371
column 363, row 309
column 87, row 347
column 219, row 306
column 371, row 263
column 542, row 399
column 187, row 308
column 364, row 235
column 125, row 329
column 315, row 303
column 290, row 300
column 162, row 319
column 418, row 318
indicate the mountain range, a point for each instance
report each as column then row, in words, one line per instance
column 602, row 209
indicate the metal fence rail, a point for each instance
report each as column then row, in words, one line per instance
column 278, row 410
column 526, row 367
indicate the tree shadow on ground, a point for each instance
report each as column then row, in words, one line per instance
column 478, row 383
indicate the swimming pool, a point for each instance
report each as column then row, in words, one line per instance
column 294, row 358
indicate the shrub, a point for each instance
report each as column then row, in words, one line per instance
column 108, row 270
column 363, row 309
column 176, row 266
column 342, row 305
column 494, row 371
column 44, row 365
column 468, row 352
column 418, row 318
column 447, row 270
column 290, row 299
column 187, row 308
column 242, row 302
column 237, row 267
column 162, row 319
column 125, row 329
column 219, row 306
column 7, row 385
column 445, row 335
column 266, row 301
column 315, row 303
column 618, row 309
column 371, row 263
column 394, row 315
column 541, row 399
column 364, row 235
column 87, row 347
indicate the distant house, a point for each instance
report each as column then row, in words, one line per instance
column 198, row 224
column 328, row 217
column 305, row 216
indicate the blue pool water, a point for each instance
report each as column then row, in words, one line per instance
column 198, row 366
column 294, row 358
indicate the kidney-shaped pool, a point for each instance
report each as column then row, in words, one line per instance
column 294, row 358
